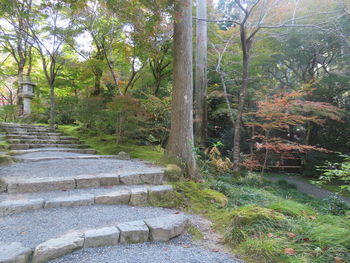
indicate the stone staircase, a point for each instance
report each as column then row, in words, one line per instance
column 59, row 196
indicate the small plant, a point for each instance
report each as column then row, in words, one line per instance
column 338, row 172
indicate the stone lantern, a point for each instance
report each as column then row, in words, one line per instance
column 27, row 94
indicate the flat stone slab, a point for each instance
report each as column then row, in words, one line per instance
column 65, row 201
column 16, row 206
column 133, row 232
column 58, row 247
column 166, row 227
column 14, row 253
column 117, row 197
column 105, row 236
column 37, row 184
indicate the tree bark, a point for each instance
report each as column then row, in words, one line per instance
column 180, row 143
column 52, row 104
column 200, row 91
column 246, row 46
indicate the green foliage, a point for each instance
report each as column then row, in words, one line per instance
column 334, row 205
column 338, row 172
column 8, row 113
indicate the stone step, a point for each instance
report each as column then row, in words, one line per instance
column 48, row 149
column 10, row 130
column 161, row 229
column 50, row 158
column 44, row 184
column 43, row 141
column 24, row 146
column 22, row 125
column 35, row 133
column 134, row 195
column 40, row 137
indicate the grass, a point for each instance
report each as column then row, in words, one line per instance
column 106, row 145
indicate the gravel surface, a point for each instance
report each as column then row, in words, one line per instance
column 71, row 167
column 55, row 194
column 179, row 250
column 307, row 188
column 34, row 227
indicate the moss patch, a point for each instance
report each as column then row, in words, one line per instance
column 195, row 232
column 292, row 208
column 106, row 145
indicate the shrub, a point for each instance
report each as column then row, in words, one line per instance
column 334, row 205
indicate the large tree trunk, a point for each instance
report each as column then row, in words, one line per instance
column 246, row 46
column 200, row 92
column 181, row 133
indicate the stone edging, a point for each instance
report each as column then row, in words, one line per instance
column 154, row 229
column 43, row 184
column 135, row 197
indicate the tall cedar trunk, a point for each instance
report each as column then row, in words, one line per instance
column 180, row 142
column 200, row 91
column 246, row 46
column 52, row 104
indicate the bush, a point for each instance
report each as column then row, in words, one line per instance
column 334, row 205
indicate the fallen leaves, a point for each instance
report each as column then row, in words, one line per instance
column 338, row 259
column 290, row 234
column 289, row 251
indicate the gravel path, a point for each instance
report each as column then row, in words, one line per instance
column 34, row 227
column 180, row 250
column 307, row 188
column 71, row 167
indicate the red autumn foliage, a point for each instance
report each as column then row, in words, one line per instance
column 279, row 114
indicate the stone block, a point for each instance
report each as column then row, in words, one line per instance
column 113, row 198
column 14, row 253
column 87, row 181
column 139, row 196
column 166, row 227
column 73, row 200
column 123, row 156
column 152, row 177
column 17, row 206
column 58, row 247
column 130, row 178
column 105, row 236
column 108, row 179
column 22, row 185
column 133, row 232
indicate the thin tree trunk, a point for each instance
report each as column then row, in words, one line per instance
column 200, row 91
column 52, row 104
column 246, row 46
column 180, row 143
